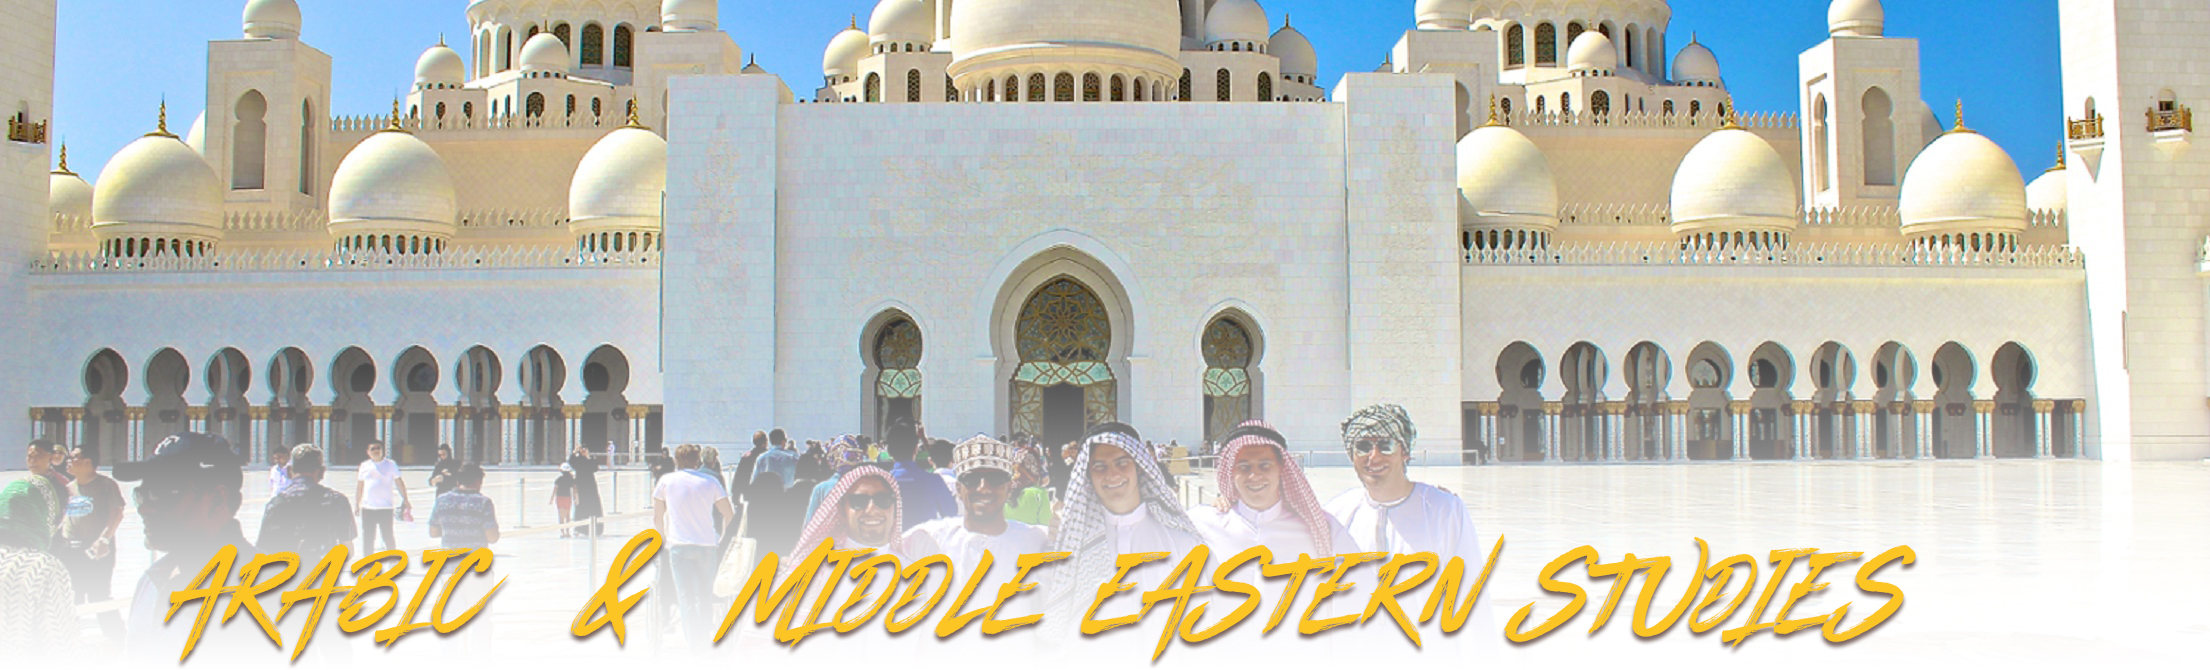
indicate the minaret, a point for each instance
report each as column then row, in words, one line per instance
column 268, row 117
column 1863, row 122
column 27, row 43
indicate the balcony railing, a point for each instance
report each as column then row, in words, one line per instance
column 2084, row 129
column 21, row 130
column 2176, row 118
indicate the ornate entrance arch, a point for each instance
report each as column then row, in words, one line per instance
column 1063, row 383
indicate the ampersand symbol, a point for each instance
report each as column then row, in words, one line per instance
column 633, row 557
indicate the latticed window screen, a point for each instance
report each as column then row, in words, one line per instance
column 951, row 90
column 1120, row 89
column 536, row 104
column 1224, row 85
column 1265, row 87
column 623, row 38
column 1515, row 45
column 874, row 88
column 1036, row 87
column 1546, row 44
column 1227, row 382
column 1063, row 87
column 912, row 85
column 1090, row 87
column 560, row 31
column 1185, row 85
column 594, row 45
column 1599, row 104
column 1062, row 337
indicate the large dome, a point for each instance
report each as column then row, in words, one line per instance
column 272, row 19
column 157, row 187
column 545, row 52
column 68, row 194
column 841, row 59
column 1695, row 64
column 902, row 22
column 393, row 183
column 1070, row 35
column 1962, row 183
column 619, row 182
column 1592, row 54
column 1295, row 51
column 1733, row 181
column 1856, row 18
column 1236, row 21
column 439, row 67
column 1443, row 14
column 689, row 15
column 1504, row 180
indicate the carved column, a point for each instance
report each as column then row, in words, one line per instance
column 1676, row 422
column 1804, row 419
column 1615, row 429
column 1922, row 424
column 1983, row 428
column 1551, row 412
column 1863, row 422
column 1738, row 415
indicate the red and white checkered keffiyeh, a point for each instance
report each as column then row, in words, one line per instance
column 828, row 520
column 1296, row 491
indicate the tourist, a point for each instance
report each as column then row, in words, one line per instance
column 39, row 459
column 95, row 510
column 923, row 495
column 779, row 459
column 373, row 498
column 307, row 518
column 188, row 495
column 465, row 518
column 563, row 497
column 860, row 511
column 985, row 470
column 441, row 474
column 280, row 473
column 586, row 469
column 1116, row 502
column 1030, row 502
column 940, row 462
column 684, row 506
column 842, row 454
column 1391, row 513
column 38, row 613
column 1265, row 500
column 740, row 482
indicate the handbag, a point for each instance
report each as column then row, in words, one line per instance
column 736, row 564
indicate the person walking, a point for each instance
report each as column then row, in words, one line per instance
column 280, row 473
column 586, row 469
column 563, row 497
column 780, row 458
column 187, row 497
column 465, row 518
column 309, row 519
column 374, row 501
column 95, row 510
column 684, row 505
column 442, row 474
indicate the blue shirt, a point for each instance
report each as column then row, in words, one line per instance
column 923, row 494
column 783, row 462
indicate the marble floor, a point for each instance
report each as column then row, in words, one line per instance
column 2024, row 563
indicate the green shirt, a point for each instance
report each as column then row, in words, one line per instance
column 1032, row 507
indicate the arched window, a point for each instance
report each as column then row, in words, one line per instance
column 1573, row 32
column 561, row 31
column 506, row 50
column 440, row 111
column 1542, row 105
column 1120, row 89
column 536, row 106
column 1504, row 106
column 1012, row 89
column 623, row 37
column 594, row 44
column 571, row 106
column 1036, row 87
column 1062, row 87
column 249, row 138
column 912, row 85
column 307, row 168
column 1668, row 108
column 467, row 110
column 1820, row 143
column 598, row 108
column 1599, row 104
column 1229, row 352
column 1628, row 46
column 1515, row 46
column 1695, row 109
column 1223, row 86
column 1565, row 104
column 1879, row 139
column 1546, row 44
column 874, row 88
column 1265, row 87
column 1185, row 85
column 951, row 90
column 1090, row 87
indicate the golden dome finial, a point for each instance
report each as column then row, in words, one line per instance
column 161, row 122
column 855, row 23
column 1726, row 111
column 1960, row 118
column 397, row 126
column 1494, row 119
column 2060, row 157
column 633, row 121
column 64, row 169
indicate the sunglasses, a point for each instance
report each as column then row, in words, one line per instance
column 981, row 478
column 1380, row 445
column 857, row 502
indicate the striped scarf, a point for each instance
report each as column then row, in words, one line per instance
column 1296, row 491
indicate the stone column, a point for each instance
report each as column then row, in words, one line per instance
column 1615, row 431
column 1983, row 428
column 572, row 420
column 134, row 422
column 1676, row 430
column 1551, row 412
column 1738, row 416
column 1804, row 418
column 2042, row 414
column 2078, row 435
column 1922, row 424
column 1863, row 422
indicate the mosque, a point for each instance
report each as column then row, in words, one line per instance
column 1542, row 227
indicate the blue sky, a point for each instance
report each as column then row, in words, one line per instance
column 117, row 59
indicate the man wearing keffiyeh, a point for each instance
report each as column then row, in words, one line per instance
column 1116, row 503
column 1391, row 513
column 1266, row 500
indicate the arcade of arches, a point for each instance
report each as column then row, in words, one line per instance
column 1961, row 418
column 406, row 402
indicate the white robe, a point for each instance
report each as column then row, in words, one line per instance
column 1282, row 532
column 949, row 536
column 1136, row 533
column 1430, row 519
column 1240, row 528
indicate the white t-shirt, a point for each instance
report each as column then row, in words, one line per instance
column 377, row 479
column 690, row 496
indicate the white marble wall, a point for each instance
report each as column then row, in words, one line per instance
column 26, row 83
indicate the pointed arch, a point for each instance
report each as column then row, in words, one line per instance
column 249, row 140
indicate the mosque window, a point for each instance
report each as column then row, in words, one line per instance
column 249, row 138
column 1515, row 46
column 440, row 111
column 307, row 169
column 1695, row 108
column 1062, row 87
column 1668, row 108
column 1090, row 87
column 951, row 90
column 468, row 110
column 571, row 107
column 990, row 90
column 536, row 105
column 1036, row 87
column 1265, row 87
column 1120, row 89
column 1630, row 46
column 1542, row 105
column 561, row 31
column 912, row 85
column 597, row 108
column 1223, row 86
column 1599, row 104
column 1185, row 84
column 594, row 45
column 1565, row 104
column 1573, row 32
column 1546, row 44
column 873, row 88
column 1505, row 106
column 623, row 37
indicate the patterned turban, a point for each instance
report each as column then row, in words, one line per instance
column 1384, row 421
column 828, row 520
column 845, row 452
column 1296, row 491
column 1083, row 524
column 982, row 453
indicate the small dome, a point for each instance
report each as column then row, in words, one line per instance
column 1236, row 21
column 683, row 16
column 1695, row 64
column 196, row 138
column 545, row 52
column 1856, row 18
column 1443, row 14
column 2048, row 192
column 1065, row 35
column 902, row 22
column 1733, row 181
column 1296, row 53
column 841, row 59
column 1591, row 53
column 1504, row 180
column 272, row 19
column 439, row 67
column 68, row 194
column 619, row 182
column 1962, row 183
column 158, row 186
column 393, row 182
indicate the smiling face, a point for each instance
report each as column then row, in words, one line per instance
column 1113, row 475
column 1376, row 469
column 982, row 493
column 1258, row 476
column 867, row 512
column 376, row 452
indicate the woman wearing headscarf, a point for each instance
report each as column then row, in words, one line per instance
column 586, row 469
column 1116, row 503
column 38, row 613
column 842, row 454
column 1266, row 500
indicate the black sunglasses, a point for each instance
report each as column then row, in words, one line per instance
column 980, row 478
column 857, row 502
column 1381, row 445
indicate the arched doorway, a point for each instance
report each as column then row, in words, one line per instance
column 291, row 422
column 2015, row 432
column 228, row 412
column 1581, row 428
column 1834, row 373
column 353, row 410
column 414, row 375
column 1231, row 357
column 1519, row 433
column 1894, row 370
column 167, row 375
column 1710, row 430
column 106, row 419
column 544, row 431
column 1955, row 436
column 1772, row 415
column 605, row 419
column 893, row 376
column 1064, row 383
column 1648, row 372
column 476, row 424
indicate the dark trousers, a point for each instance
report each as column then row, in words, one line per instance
column 691, row 567
column 94, row 579
column 371, row 520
